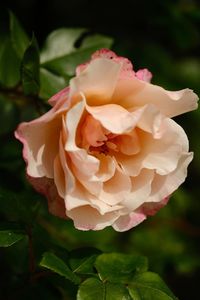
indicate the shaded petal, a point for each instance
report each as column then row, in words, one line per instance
column 129, row 143
column 80, row 197
column 127, row 222
column 151, row 208
column 106, row 169
column 141, row 189
column 151, row 121
column 163, row 186
column 93, row 187
column 87, row 164
column 88, row 218
column 92, row 132
column 115, row 189
column 125, row 91
column 77, row 197
column 59, row 177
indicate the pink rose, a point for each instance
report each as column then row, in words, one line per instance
column 108, row 152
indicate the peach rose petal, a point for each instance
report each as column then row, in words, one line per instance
column 169, row 103
column 113, row 117
column 92, row 132
column 59, row 97
column 151, row 121
column 97, row 81
column 141, row 189
column 151, row 208
column 144, row 74
column 80, row 197
column 36, row 137
column 127, row 222
column 88, row 218
column 59, row 177
column 89, row 164
column 126, row 70
column 163, row 187
column 107, row 168
column 161, row 155
column 115, row 189
column 108, row 152
column 129, row 143
column 137, row 93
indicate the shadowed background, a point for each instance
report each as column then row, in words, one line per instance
column 163, row 36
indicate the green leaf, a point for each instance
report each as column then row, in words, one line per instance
column 9, row 64
column 19, row 38
column 97, row 40
column 93, row 288
column 82, row 260
column 147, row 286
column 8, row 114
column 60, row 42
column 117, row 267
column 50, row 83
column 57, row 265
column 65, row 65
column 9, row 237
column 117, row 292
column 30, row 69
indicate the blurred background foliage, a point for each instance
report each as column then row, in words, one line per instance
column 163, row 36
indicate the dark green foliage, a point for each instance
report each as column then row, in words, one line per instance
column 9, row 237
column 117, row 267
column 30, row 69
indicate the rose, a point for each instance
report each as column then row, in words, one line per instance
column 108, row 152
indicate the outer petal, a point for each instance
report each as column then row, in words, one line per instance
column 126, row 65
column 134, row 92
column 63, row 94
column 151, row 208
column 88, row 218
column 170, row 103
column 163, row 186
column 97, row 81
column 144, row 74
column 127, row 222
column 36, row 137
